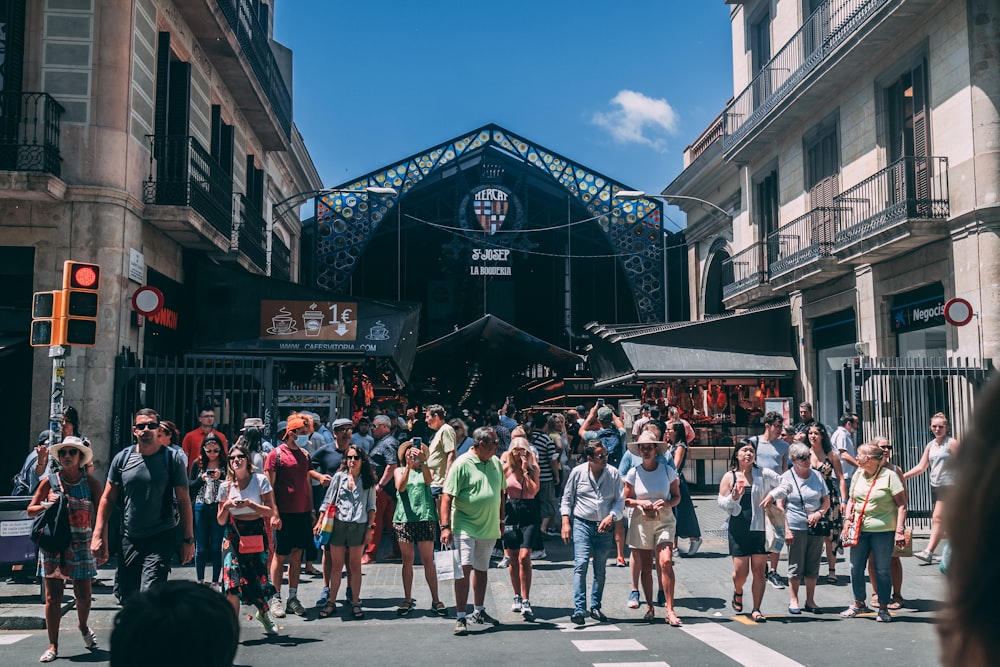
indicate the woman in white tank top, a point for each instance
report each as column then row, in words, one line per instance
column 937, row 457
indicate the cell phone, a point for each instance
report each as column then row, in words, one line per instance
column 510, row 400
column 418, row 441
column 600, row 402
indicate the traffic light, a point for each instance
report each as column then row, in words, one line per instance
column 79, row 303
column 47, row 325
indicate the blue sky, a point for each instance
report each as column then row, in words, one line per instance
column 621, row 87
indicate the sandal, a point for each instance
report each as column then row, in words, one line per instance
column 673, row 620
column 89, row 639
column 328, row 610
column 758, row 617
column 853, row 611
column 650, row 615
column 438, row 608
column 49, row 655
column 831, row 578
column 897, row 603
column 737, row 604
column 357, row 612
column 404, row 608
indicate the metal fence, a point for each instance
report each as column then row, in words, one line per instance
column 896, row 397
column 29, row 132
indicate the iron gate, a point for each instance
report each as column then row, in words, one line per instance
column 896, row 397
column 179, row 388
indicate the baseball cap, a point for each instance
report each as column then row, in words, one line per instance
column 45, row 436
column 252, row 422
column 605, row 414
column 294, row 422
column 343, row 421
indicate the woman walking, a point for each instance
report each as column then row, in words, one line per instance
column 415, row 522
column 877, row 510
column 895, row 565
column 523, row 528
column 206, row 478
column 245, row 506
column 938, row 457
column 652, row 490
column 806, row 500
column 352, row 492
column 827, row 463
column 75, row 563
column 741, row 494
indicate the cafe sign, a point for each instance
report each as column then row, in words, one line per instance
column 308, row 321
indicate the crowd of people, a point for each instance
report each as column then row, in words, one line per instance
column 494, row 486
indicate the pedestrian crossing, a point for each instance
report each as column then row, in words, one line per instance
column 7, row 640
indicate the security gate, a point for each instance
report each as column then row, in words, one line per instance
column 179, row 388
column 896, row 398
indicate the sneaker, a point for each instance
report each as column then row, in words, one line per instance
column 694, row 546
column 774, row 579
column 539, row 553
column 661, row 598
column 266, row 621
column 925, row 555
column 517, row 605
column 295, row 607
column 883, row 616
column 504, row 562
column 277, row 608
column 324, row 597
column 526, row 611
column 578, row 618
column 461, row 629
column 633, row 600
column 483, row 618
column 598, row 615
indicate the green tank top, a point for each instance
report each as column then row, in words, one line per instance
column 415, row 503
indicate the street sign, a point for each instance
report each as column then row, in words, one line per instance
column 147, row 301
column 958, row 312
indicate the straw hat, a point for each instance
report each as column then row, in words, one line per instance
column 401, row 452
column 661, row 447
column 73, row 442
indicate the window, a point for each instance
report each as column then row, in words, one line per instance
column 760, row 56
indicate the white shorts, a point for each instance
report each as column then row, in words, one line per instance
column 474, row 551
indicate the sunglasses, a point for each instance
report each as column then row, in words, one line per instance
column 212, row 451
column 69, row 452
column 150, row 426
column 600, row 457
column 886, row 449
column 237, row 457
column 341, row 429
column 800, row 458
column 351, row 457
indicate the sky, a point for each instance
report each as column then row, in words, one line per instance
column 621, row 87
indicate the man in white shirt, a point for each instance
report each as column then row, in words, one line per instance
column 843, row 443
column 772, row 453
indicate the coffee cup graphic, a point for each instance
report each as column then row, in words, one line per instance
column 283, row 323
column 313, row 321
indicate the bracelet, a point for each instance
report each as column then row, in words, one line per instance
column 446, row 526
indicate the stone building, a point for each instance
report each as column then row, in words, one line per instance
column 859, row 159
column 148, row 136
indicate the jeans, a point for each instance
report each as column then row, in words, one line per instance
column 207, row 540
column 880, row 545
column 588, row 542
column 145, row 561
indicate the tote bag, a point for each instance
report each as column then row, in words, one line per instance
column 448, row 565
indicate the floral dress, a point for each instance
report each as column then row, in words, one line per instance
column 833, row 515
column 77, row 561
column 246, row 575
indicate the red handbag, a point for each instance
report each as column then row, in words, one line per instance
column 251, row 544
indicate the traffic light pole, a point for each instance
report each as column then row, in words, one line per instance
column 58, row 354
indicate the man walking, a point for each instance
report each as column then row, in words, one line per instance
column 442, row 450
column 148, row 476
column 384, row 463
column 193, row 439
column 612, row 435
column 772, row 453
column 472, row 513
column 592, row 502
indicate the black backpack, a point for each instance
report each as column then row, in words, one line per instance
column 50, row 529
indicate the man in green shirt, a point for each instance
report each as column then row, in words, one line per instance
column 472, row 516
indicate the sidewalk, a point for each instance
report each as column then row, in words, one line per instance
column 704, row 584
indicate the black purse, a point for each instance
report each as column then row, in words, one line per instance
column 823, row 527
column 50, row 529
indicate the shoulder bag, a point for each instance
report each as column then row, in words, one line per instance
column 852, row 532
column 50, row 530
column 329, row 519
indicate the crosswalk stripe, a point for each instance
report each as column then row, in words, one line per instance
column 631, row 664
column 10, row 639
column 607, row 645
column 738, row 647
column 594, row 627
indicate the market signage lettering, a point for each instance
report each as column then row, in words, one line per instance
column 490, row 262
column 490, row 206
column 920, row 315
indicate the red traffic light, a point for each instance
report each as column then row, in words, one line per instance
column 78, row 275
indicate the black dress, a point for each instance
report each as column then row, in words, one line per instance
column 743, row 541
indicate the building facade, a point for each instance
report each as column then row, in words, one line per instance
column 147, row 136
column 860, row 162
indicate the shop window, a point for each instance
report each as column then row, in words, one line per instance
column 917, row 317
column 833, row 339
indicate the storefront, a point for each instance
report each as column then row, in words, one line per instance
column 833, row 337
column 917, row 319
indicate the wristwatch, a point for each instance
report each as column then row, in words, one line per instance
column 445, row 526
column 188, row 540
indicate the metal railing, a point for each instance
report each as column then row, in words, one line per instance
column 707, row 138
column 182, row 173
column 803, row 240
column 29, row 132
column 281, row 259
column 743, row 271
column 825, row 29
column 254, row 42
column 909, row 188
column 250, row 230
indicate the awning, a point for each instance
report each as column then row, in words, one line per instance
column 753, row 344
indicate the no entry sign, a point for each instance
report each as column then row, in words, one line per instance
column 958, row 311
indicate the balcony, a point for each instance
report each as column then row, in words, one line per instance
column 191, row 192
column 239, row 48
column 713, row 133
column 800, row 254
column 823, row 57
column 251, row 232
column 281, row 259
column 29, row 146
column 904, row 206
column 745, row 278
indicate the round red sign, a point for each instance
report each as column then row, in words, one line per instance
column 147, row 301
column 958, row 311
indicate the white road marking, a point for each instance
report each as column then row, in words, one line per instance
column 738, row 647
column 593, row 627
column 631, row 664
column 6, row 639
column 607, row 645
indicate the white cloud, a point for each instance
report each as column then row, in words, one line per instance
column 637, row 119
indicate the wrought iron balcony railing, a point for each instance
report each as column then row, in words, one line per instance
column 253, row 40
column 803, row 240
column 29, row 132
column 743, row 271
column 251, row 231
column 281, row 259
column 825, row 30
column 911, row 188
column 707, row 138
column 182, row 173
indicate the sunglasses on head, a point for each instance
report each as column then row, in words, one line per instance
column 150, row 426
column 212, row 451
